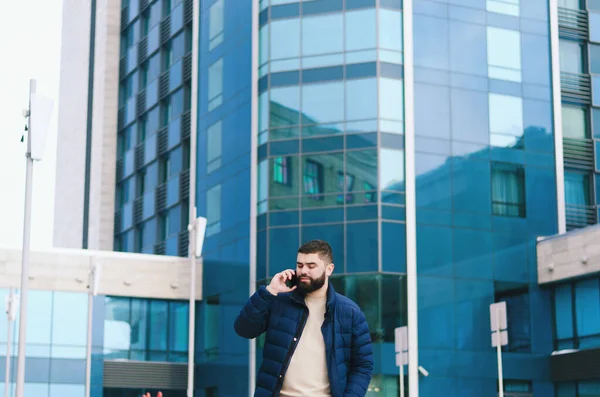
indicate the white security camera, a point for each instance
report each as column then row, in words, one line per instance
column 423, row 371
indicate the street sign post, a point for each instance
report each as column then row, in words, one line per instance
column 499, row 328
column 401, row 347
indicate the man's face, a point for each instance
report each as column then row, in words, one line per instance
column 312, row 272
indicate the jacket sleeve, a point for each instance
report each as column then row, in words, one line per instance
column 254, row 317
column 361, row 358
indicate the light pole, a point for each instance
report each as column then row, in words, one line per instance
column 197, row 230
column 93, row 283
column 39, row 114
column 11, row 312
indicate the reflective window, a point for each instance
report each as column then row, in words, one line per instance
column 213, row 210
column 322, row 34
column 587, row 312
column 361, row 99
column 504, row 54
column 392, row 170
column 508, row 190
column 216, row 24
column 284, row 107
column 283, row 176
column 391, row 105
column 69, row 325
column 594, row 53
column 390, row 29
column 323, row 103
column 577, row 189
column 213, row 150
column 263, row 112
column 574, row 122
column 263, row 185
column 263, row 43
column 284, row 32
column 212, row 310
column 468, row 48
column 508, row 7
column 594, row 24
column 518, row 319
column 178, row 331
column 563, row 315
column 469, row 116
column 361, row 176
column 506, row 120
column 361, row 29
column 571, row 56
column 215, row 85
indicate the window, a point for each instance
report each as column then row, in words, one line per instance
column 517, row 388
column 216, row 24
column 313, row 178
column 390, row 29
column 392, row 170
column 518, row 318
column 345, row 186
column 214, row 147
column 391, row 105
column 577, row 189
column 281, row 170
column 572, row 4
column 361, row 29
column 574, row 122
column 361, row 99
column 571, row 56
column 212, row 310
column 284, row 32
column 506, row 120
column 322, row 103
column 594, row 22
column 215, row 85
column 322, row 34
column 508, row 7
column 508, row 190
column 504, row 54
column 213, row 210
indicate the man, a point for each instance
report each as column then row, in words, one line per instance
column 317, row 341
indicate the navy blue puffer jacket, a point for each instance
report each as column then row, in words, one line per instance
column 283, row 316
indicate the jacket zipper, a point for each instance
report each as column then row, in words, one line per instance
column 291, row 351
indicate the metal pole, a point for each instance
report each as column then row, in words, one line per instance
column 25, row 261
column 402, row 378
column 9, row 321
column 88, row 352
column 192, row 319
column 499, row 351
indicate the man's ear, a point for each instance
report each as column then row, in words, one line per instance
column 329, row 269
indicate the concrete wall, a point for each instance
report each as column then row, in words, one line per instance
column 122, row 274
column 72, row 122
column 104, row 125
column 573, row 254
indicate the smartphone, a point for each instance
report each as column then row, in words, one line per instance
column 293, row 282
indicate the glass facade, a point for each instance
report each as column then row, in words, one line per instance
column 151, row 210
column 56, row 345
column 579, row 62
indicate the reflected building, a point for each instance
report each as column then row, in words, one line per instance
column 283, row 121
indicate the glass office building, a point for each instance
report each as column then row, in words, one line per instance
column 326, row 80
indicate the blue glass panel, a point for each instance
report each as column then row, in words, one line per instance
column 282, row 148
column 69, row 325
column 436, row 306
column 322, row 74
column 323, row 103
column 284, row 218
column 361, row 99
column 469, row 196
column 178, row 327
column 360, row 141
column 433, row 181
column 174, row 133
column 176, row 19
column 361, row 212
column 351, row 4
column 173, row 190
column 330, row 215
column 65, row 390
column 175, row 75
column 596, row 90
column 284, row 32
column 285, row 11
column 470, row 116
column 159, row 317
column 334, row 235
column 358, row 70
column 566, row 389
column 392, row 169
column 361, row 29
column 332, row 143
column 283, row 243
column 438, row 260
column 284, row 78
column 429, row 97
column 391, row 70
column 153, row 39
column 393, row 213
column 261, row 258
column 468, row 48
column 430, row 51
column 361, row 247
column 39, row 324
column 318, row 6
column 594, row 21
column 587, row 307
column 393, row 247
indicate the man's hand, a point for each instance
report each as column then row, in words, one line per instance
column 278, row 286
column 149, row 395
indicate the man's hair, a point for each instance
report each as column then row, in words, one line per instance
column 320, row 247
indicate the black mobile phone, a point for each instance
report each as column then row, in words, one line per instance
column 291, row 283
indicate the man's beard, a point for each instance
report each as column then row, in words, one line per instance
column 312, row 285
